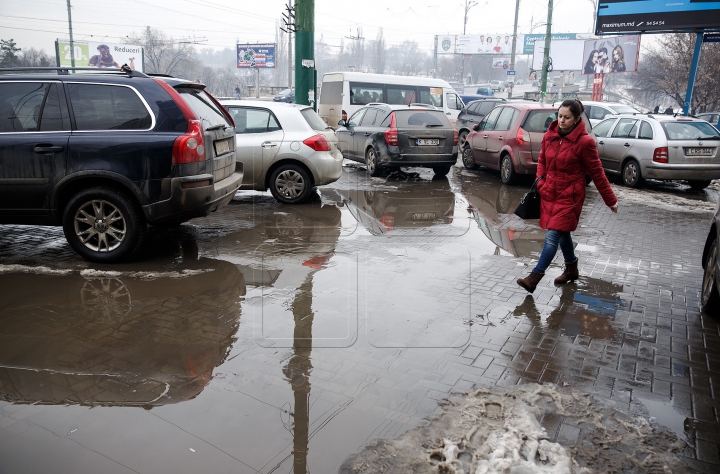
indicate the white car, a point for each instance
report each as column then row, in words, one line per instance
column 284, row 147
column 598, row 111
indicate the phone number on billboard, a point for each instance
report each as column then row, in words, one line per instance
column 655, row 23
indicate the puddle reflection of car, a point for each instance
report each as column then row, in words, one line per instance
column 144, row 337
column 422, row 205
column 491, row 204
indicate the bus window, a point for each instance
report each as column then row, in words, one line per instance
column 401, row 95
column 432, row 96
column 362, row 94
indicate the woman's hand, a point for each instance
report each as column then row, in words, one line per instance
column 614, row 208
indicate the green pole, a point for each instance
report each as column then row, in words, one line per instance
column 546, row 54
column 305, row 51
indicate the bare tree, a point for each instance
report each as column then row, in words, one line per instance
column 357, row 50
column 408, row 59
column 665, row 69
column 163, row 55
column 379, row 53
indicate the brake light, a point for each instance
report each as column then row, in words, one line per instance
column 344, row 115
column 388, row 220
column 317, row 143
column 660, row 155
column 522, row 136
column 190, row 148
column 391, row 134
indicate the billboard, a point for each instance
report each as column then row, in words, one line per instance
column 102, row 55
column 529, row 40
column 611, row 55
column 565, row 55
column 627, row 16
column 256, row 55
column 446, row 44
column 487, row 44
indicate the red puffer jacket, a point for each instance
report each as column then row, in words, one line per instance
column 564, row 162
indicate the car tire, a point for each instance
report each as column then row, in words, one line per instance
column 373, row 167
column 631, row 175
column 467, row 159
column 507, row 171
column 462, row 139
column 710, row 290
column 87, row 230
column 290, row 184
column 441, row 171
column 699, row 185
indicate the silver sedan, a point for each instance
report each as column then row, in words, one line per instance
column 284, row 147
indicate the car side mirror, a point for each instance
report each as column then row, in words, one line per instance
column 342, row 123
column 476, row 127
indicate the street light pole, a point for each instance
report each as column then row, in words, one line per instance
column 468, row 6
column 546, row 54
column 72, row 43
column 514, row 45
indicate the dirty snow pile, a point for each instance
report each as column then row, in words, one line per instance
column 662, row 200
column 499, row 431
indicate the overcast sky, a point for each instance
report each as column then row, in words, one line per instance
column 220, row 24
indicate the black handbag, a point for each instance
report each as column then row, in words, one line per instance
column 529, row 207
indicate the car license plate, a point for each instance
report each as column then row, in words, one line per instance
column 222, row 147
column 421, row 216
column 428, row 141
column 699, row 151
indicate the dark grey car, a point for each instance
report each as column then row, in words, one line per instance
column 391, row 136
column 710, row 294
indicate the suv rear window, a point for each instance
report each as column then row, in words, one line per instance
column 420, row 118
column 539, row 120
column 313, row 119
column 204, row 107
column 108, row 107
column 20, row 105
column 689, row 130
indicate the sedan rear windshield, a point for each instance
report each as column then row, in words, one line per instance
column 624, row 109
column 421, row 118
column 539, row 120
column 313, row 119
column 209, row 113
column 690, row 131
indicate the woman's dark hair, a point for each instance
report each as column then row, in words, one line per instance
column 575, row 106
column 590, row 65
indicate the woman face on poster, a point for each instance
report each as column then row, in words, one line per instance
column 618, row 61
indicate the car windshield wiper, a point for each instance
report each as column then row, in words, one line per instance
column 716, row 137
column 433, row 125
column 216, row 127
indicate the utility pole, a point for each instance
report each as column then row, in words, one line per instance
column 289, row 32
column 514, row 45
column 546, row 54
column 305, row 82
column 468, row 5
column 435, row 55
column 72, row 44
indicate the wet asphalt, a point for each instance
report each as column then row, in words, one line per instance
column 274, row 338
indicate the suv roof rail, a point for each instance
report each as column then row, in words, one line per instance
column 61, row 70
column 416, row 104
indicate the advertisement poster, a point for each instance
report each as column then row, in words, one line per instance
column 529, row 40
column 101, row 55
column 446, row 44
column 256, row 55
column 487, row 44
column 631, row 16
column 611, row 55
column 565, row 55
column 501, row 63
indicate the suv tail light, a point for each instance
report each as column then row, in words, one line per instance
column 455, row 137
column 344, row 115
column 660, row 155
column 190, row 148
column 391, row 134
column 388, row 220
column 523, row 137
column 317, row 143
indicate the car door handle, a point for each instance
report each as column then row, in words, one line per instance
column 367, row 134
column 627, row 144
column 268, row 145
column 447, row 113
column 484, row 136
column 499, row 138
column 48, row 148
column 601, row 142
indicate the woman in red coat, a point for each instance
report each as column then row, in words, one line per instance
column 567, row 154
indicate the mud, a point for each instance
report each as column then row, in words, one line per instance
column 501, row 430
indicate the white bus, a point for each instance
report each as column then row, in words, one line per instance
column 343, row 93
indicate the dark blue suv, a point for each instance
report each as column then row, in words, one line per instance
column 105, row 154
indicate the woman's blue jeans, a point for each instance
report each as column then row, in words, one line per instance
column 552, row 240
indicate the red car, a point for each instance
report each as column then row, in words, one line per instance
column 508, row 139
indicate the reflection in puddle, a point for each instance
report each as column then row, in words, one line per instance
column 116, row 341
